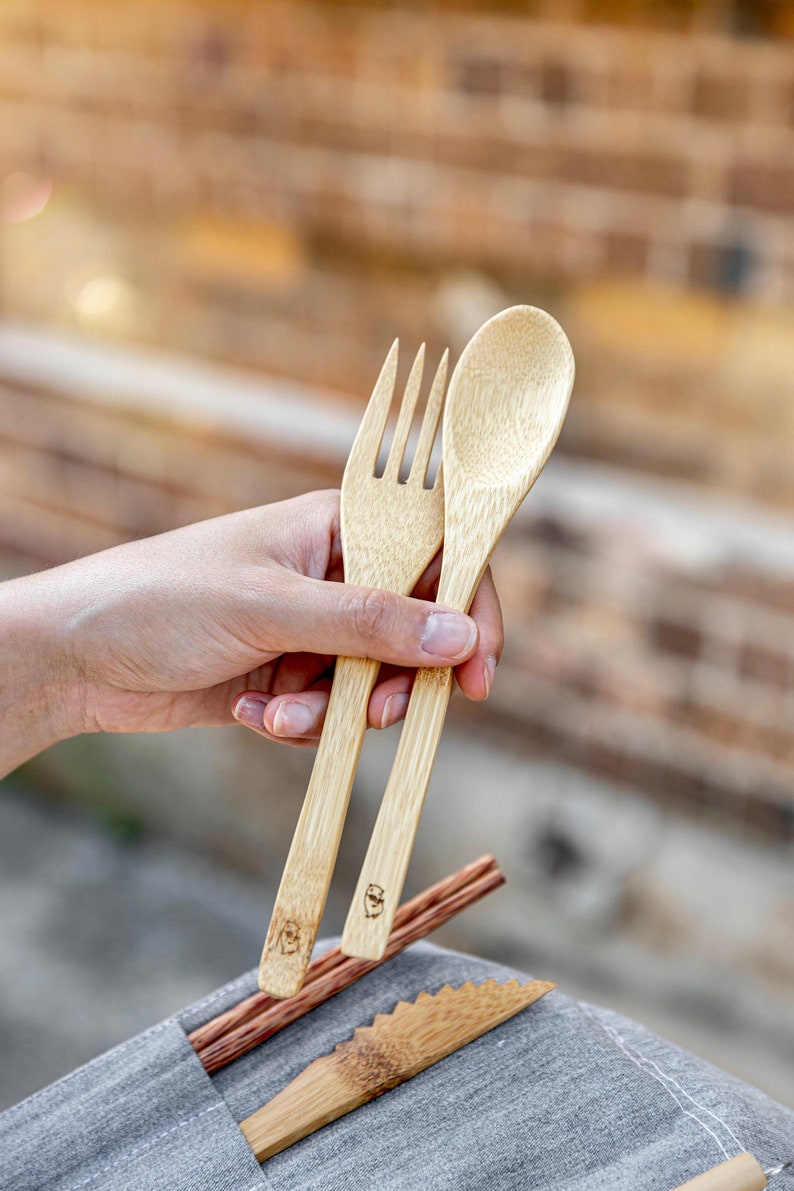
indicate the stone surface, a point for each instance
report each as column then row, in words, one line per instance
column 101, row 937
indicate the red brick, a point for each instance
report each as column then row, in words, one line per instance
column 682, row 640
column 766, row 184
column 643, row 172
column 631, row 85
column 772, row 667
column 626, row 251
column 560, row 83
column 476, row 74
column 721, row 97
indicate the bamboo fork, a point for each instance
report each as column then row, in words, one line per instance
column 246, row 1025
column 507, row 401
column 390, row 533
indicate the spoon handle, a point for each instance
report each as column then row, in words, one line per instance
column 380, row 883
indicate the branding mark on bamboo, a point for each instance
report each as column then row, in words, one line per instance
column 374, row 901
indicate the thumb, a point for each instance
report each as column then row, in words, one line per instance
column 317, row 616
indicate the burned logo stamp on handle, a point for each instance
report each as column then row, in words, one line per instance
column 289, row 940
column 374, row 901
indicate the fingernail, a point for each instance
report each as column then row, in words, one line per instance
column 488, row 671
column 250, row 709
column 449, row 635
column 293, row 719
column 394, row 709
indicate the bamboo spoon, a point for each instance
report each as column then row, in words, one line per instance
column 394, row 1048
column 505, row 407
column 390, row 533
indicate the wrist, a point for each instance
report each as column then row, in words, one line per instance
column 39, row 688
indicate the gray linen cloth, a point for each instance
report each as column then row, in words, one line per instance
column 563, row 1097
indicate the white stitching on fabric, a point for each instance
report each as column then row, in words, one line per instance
column 146, row 1146
column 660, row 1079
column 644, row 1064
column 684, row 1092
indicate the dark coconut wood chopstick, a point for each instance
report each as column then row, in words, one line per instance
column 247, row 1024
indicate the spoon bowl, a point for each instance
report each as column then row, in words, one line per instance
column 506, row 405
column 507, row 398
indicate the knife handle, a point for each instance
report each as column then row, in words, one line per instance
column 397, row 1046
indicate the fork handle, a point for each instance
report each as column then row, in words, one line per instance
column 380, row 884
column 301, row 897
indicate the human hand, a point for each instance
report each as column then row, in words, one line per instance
column 236, row 617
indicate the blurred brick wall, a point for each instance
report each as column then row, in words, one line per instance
column 286, row 186
column 651, row 640
column 650, row 629
column 97, row 448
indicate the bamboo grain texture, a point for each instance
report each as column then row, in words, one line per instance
column 396, row 1047
column 307, row 873
column 390, row 531
column 505, row 408
column 253, row 1020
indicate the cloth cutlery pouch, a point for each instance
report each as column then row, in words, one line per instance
column 143, row 1117
column 565, row 1096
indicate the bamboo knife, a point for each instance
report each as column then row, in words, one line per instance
column 394, row 1048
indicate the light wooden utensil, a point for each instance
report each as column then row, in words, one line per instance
column 743, row 1173
column 390, row 533
column 394, row 1048
column 506, row 404
column 251, row 1021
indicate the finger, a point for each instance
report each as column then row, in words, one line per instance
column 300, row 671
column 388, row 704
column 476, row 675
column 298, row 715
column 309, row 615
column 286, row 719
column 249, row 709
column 389, row 701
column 427, row 585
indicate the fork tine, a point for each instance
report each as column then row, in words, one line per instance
column 365, row 449
column 405, row 418
column 427, row 435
